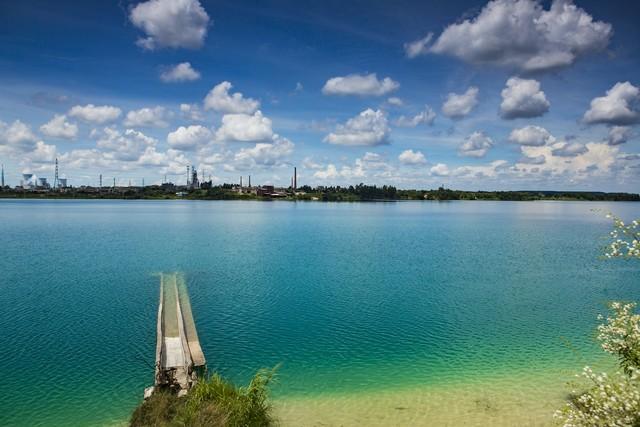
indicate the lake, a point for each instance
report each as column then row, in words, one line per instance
column 401, row 313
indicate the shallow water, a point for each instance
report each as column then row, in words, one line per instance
column 414, row 302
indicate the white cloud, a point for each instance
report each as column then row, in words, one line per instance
column 620, row 106
column 191, row 112
column 331, row 172
column 95, row 114
column 127, row 146
column 244, row 128
column 410, row 157
column 58, row 127
column 459, row 105
column 308, row 163
column 577, row 161
column 363, row 85
column 427, row 117
column 147, row 117
column 440, row 170
column 619, row 134
column 395, row 101
column 566, row 149
column 367, row 128
column 538, row 160
column 42, row 153
column 475, row 145
column 182, row 72
column 492, row 170
column 264, row 154
column 189, row 138
column 532, row 136
column 418, row 47
column 522, row 98
column 17, row 136
column 522, row 35
column 218, row 99
column 170, row 23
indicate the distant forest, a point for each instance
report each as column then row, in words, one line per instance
column 360, row 192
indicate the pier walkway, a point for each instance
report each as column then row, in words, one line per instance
column 178, row 351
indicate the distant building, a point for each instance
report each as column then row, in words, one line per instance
column 27, row 181
column 265, row 190
column 42, row 183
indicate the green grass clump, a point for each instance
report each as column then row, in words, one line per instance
column 212, row 402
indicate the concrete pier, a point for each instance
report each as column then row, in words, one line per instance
column 178, row 350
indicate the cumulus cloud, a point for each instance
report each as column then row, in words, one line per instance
column 244, row 128
column 17, row 135
column 475, row 145
column 218, row 99
column 367, row 128
column 492, row 170
column 440, row 170
column 182, row 72
column 522, row 98
column 189, row 138
column 363, row 85
column 459, row 105
column 532, row 136
column 395, row 101
column 95, row 114
column 578, row 160
column 127, row 146
column 522, row 35
column 58, row 127
column 418, row 47
column 568, row 149
column 264, row 154
column 42, row 153
column 619, row 135
column 620, row 106
column 427, row 117
column 147, row 117
column 191, row 112
column 170, row 23
column 537, row 160
column 330, row 172
column 410, row 157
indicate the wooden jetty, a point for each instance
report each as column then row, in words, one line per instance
column 178, row 351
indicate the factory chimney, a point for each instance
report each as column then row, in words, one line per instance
column 2, row 184
column 249, row 181
column 295, row 178
column 241, row 182
column 56, row 182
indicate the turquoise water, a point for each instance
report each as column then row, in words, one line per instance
column 348, row 297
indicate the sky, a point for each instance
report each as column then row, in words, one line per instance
column 474, row 95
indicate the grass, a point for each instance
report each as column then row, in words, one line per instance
column 211, row 402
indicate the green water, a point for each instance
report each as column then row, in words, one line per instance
column 349, row 298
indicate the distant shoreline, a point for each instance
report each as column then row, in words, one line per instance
column 360, row 193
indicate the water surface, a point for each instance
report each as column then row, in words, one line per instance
column 427, row 303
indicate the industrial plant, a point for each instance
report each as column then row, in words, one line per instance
column 34, row 185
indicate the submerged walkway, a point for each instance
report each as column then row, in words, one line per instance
column 178, row 350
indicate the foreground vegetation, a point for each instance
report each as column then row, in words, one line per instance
column 213, row 402
column 360, row 192
column 612, row 400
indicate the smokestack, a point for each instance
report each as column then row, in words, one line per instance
column 240, row 182
column 295, row 178
column 249, row 181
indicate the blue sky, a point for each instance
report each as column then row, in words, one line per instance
column 509, row 94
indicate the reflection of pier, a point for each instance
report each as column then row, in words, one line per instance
column 178, row 351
